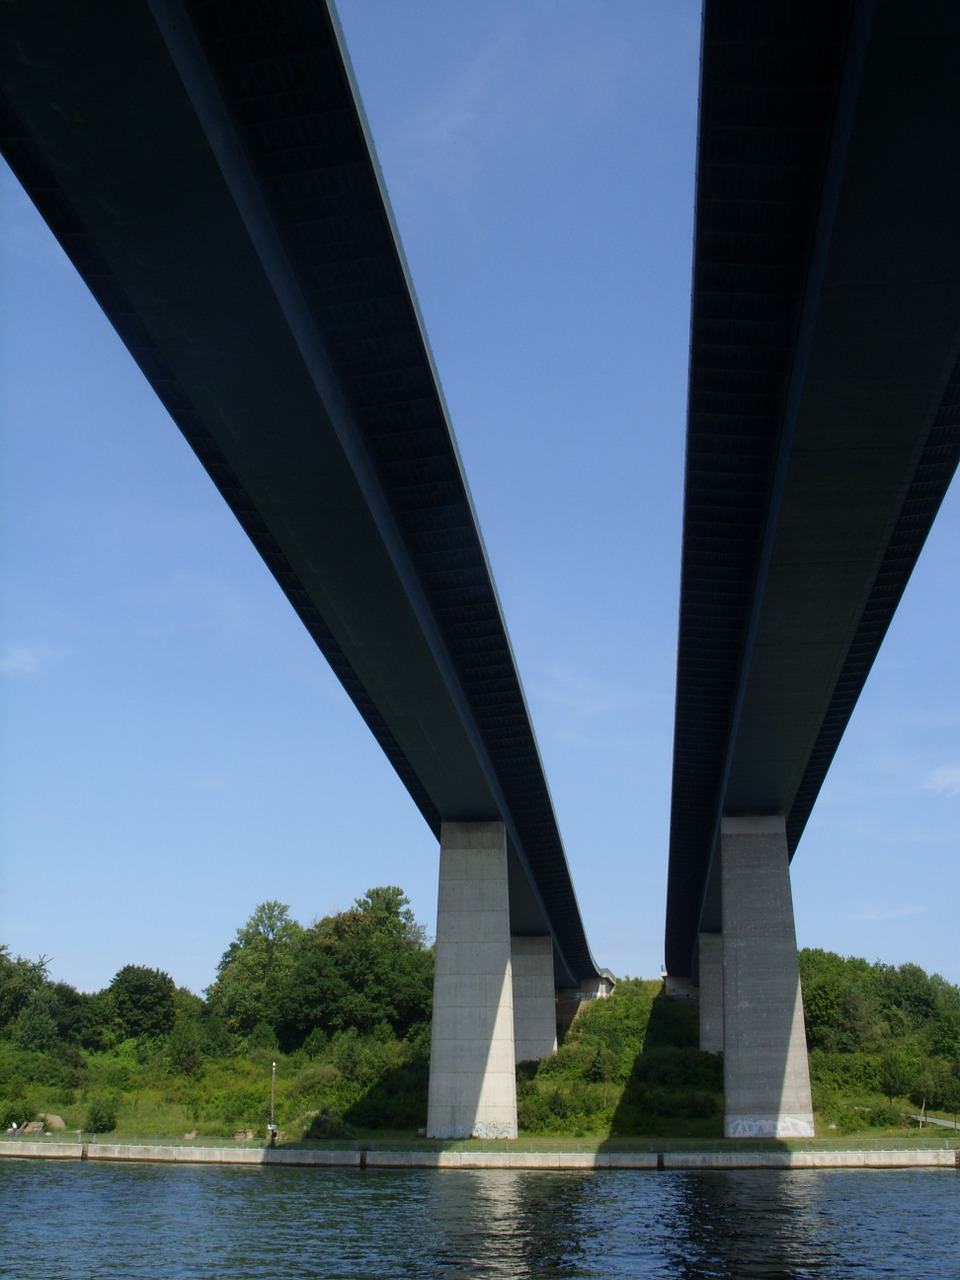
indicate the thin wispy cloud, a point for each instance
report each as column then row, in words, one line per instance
column 874, row 915
column 187, row 602
column 591, row 714
column 882, row 776
column 500, row 104
column 19, row 661
column 945, row 781
column 583, row 696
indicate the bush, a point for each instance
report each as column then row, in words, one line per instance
column 315, row 1043
column 246, row 1105
column 314, row 1086
column 885, row 1117
column 674, row 1023
column 185, row 1047
column 397, row 1100
column 261, row 1037
column 13, row 1111
column 700, row 1106
column 675, row 1068
column 327, row 1124
column 101, row 1115
column 849, row 1120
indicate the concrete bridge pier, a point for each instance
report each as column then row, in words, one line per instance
column 711, row 992
column 766, row 1079
column 534, row 998
column 493, row 996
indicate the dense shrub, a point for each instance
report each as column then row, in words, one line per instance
column 245, row 1105
column 673, row 1023
column 327, row 1124
column 13, row 1111
column 885, row 1117
column 619, row 1070
column 101, row 1115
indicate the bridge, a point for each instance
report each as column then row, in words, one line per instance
column 823, row 431
column 208, row 170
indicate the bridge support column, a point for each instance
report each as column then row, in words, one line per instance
column 534, row 999
column 711, row 992
column 473, row 1087
column 766, row 1079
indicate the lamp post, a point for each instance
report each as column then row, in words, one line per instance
column 273, row 1104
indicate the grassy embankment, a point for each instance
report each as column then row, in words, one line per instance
column 628, row 1071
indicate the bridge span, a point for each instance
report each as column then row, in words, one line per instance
column 823, row 431
column 207, row 168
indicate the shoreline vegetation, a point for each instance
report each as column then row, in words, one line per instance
column 342, row 1007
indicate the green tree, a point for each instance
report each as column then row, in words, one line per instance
column 35, row 1026
column 907, row 996
column 19, row 979
column 823, row 979
column 361, row 968
column 389, row 912
column 254, row 969
column 187, row 1040
column 70, row 1009
column 142, row 1001
column 931, row 1083
column 951, row 1096
column 97, row 1026
column 896, row 1074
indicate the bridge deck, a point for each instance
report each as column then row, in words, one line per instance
column 823, row 423
column 206, row 167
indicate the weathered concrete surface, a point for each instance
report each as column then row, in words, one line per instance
column 512, row 1159
column 221, row 1155
column 168, row 1154
column 473, row 1090
column 534, row 998
column 766, row 1080
column 944, row 1158
column 711, row 992
column 41, row 1150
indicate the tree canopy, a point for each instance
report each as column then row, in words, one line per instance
column 255, row 968
column 880, row 1028
column 142, row 1001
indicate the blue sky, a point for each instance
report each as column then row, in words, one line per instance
column 175, row 750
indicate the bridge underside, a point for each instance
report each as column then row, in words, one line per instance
column 824, row 410
column 207, row 169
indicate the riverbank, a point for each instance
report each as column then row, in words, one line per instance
column 370, row 1157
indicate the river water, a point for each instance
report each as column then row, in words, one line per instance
column 77, row 1220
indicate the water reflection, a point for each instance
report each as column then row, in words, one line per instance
column 752, row 1223
column 144, row 1222
column 506, row 1223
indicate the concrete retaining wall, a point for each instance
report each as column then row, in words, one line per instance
column 943, row 1159
column 946, row 1158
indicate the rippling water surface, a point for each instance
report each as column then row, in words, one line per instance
column 73, row 1220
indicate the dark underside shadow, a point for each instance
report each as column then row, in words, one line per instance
column 674, row 1090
